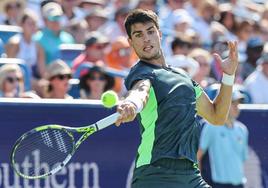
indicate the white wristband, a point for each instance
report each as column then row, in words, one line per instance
column 137, row 102
column 228, row 79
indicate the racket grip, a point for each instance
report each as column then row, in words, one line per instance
column 105, row 122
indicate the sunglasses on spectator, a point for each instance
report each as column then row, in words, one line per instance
column 92, row 78
column 13, row 79
column 62, row 76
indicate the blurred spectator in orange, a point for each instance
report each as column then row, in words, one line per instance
column 58, row 75
column 51, row 36
column 95, row 45
column 12, row 82
column 13, row 10
column 94, row 82
column 96, row 18
column 254, row 50
column 121, row 57
column 258, row 81
column 204, row 60
column 116, row 28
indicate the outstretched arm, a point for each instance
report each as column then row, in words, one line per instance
column 216, row 111
column 134, row 102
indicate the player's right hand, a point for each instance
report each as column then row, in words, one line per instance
column 127, row 111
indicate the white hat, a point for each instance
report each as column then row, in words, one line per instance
column 182, row 61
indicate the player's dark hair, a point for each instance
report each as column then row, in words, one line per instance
column 140, row 16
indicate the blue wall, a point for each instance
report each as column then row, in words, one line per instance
column 105, row 159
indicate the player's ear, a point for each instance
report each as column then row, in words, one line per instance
column 129, row 41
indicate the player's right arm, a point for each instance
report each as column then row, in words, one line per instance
column 134, row 102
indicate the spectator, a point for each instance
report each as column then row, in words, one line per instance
column 22, row 45
column 13, row 9
column 182, row 44
column 52, row 36
column 115, row 29
column 94, row 82
column 206, row 10
column 204, row 60
column 227, row 147
column 12, row 82
column 227, row 19
column 71, row 11
column 254, row 50
column 256, row 82
column 96, row 19
column 94, row 50
column 88, row 5
column 121, row 57
column 186, row 63
column 78, row 29
column 58, row 75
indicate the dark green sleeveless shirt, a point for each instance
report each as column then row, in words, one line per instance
column 168, row 123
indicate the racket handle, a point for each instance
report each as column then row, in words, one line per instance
column 105, row 122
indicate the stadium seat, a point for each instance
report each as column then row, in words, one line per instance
column 24, row 68
column 68, row 52
column 74, row 90
column 7, row 31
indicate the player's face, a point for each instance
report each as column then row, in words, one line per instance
column 145, row 39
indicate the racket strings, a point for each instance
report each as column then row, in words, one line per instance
column 44, row 150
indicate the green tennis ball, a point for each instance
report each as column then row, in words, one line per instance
column 109, row 99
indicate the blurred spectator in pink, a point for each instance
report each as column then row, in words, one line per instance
column 96, row 18
column 12, row 82
column 51, row 36
column 257, row 82
column 204, row 60
column 95, row 45
column 58, row 75
column 12, row 10
column 116, row 28
column 94, row 82
column 254, row 50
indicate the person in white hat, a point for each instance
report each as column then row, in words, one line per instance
column 58, row 75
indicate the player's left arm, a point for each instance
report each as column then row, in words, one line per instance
column 216, row 111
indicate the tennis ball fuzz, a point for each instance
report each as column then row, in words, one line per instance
column 109, row 99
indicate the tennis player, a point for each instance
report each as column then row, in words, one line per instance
column 167, row 102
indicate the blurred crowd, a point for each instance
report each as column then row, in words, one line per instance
column 92, row 34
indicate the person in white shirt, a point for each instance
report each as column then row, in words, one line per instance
column 257, row 82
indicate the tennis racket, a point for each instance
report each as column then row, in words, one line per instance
column 55, row 145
